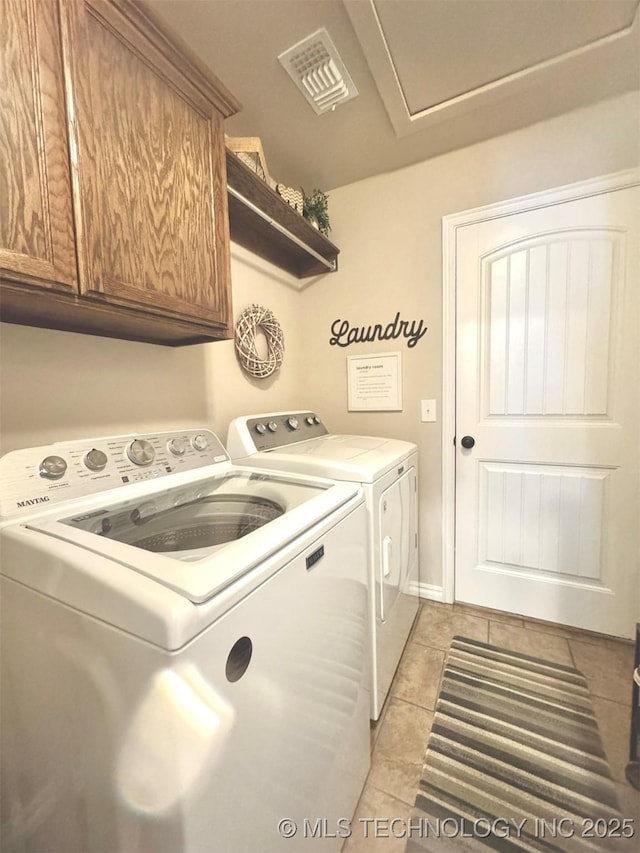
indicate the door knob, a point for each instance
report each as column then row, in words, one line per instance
column 467, row 442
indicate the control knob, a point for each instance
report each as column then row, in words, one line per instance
column 292, row 422
column 95, row 460
column 261, row 429
column 141, row 452
column 309, row 420
column 273, row 426
column 177, row 446
column 200, row 441
column 52, row 467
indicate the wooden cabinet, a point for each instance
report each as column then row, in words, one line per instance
column 115, row 218
column 37, row 243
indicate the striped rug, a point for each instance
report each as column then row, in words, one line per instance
column 514, row 761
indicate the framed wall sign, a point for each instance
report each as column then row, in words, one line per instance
column 374, row 382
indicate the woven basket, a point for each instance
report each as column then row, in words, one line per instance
column 249, row 150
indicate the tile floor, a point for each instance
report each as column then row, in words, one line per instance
column 399, row 738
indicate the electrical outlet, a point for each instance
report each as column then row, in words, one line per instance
column 427, row 411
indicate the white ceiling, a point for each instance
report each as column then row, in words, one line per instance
column 432, row 75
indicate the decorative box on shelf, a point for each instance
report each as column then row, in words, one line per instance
column 293, row 197
column 249, row 150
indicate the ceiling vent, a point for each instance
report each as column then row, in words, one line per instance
column 315, row 67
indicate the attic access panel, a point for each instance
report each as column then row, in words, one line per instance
column 521, row 36
column 530, row 52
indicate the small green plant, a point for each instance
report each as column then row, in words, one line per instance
column 315, row 210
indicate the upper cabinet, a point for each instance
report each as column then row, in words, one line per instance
column 113, row 217
column 37, row 242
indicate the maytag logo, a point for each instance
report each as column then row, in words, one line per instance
column 33, row 501
column 312, row 559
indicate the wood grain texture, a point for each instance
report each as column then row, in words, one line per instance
column 113, row 185
column 150, row 180
column 175, row 52
column 36, row 225
column 69, row 313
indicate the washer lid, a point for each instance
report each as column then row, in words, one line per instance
column 199, row 538
column 356, row 458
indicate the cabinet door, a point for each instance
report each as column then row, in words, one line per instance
column 36, row 224
column 151, row 176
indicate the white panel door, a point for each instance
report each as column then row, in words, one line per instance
column 547, row 508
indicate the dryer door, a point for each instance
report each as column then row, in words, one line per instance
column 396, row 546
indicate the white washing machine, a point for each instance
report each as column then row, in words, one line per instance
column 387, row 470
column 184, row 649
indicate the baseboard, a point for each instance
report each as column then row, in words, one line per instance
column 427, row 590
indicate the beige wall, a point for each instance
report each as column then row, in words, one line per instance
column 389, row 232
column 58, row 385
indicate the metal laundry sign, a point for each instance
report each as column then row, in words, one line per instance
column 343, row 334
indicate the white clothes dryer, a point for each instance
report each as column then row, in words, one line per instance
column 184, row 649
column 387, row 471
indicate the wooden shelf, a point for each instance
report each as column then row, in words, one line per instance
column 266, row 225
